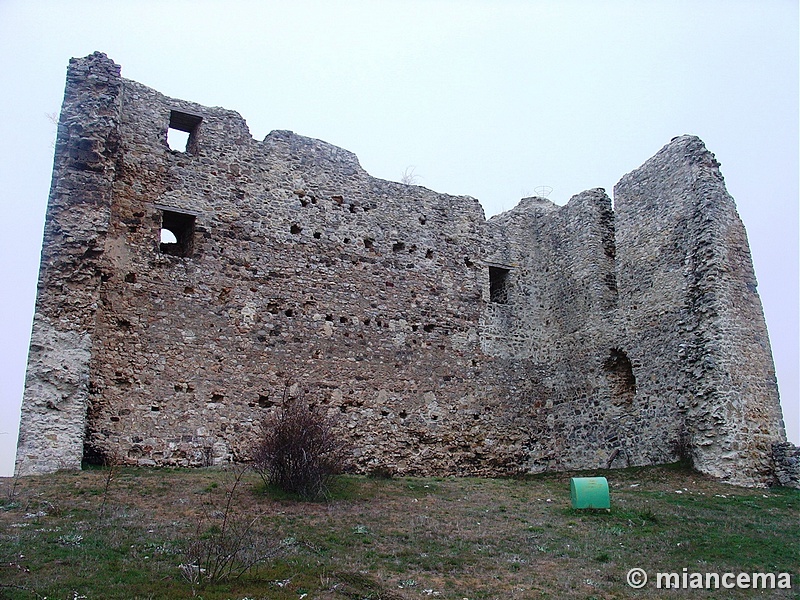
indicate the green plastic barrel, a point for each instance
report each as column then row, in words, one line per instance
column 589, row 492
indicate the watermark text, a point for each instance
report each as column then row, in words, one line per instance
column 686, row 580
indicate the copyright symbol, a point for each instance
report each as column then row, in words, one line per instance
column 637, row 578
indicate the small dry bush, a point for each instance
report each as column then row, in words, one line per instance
column 226, row 543
column 299, row 450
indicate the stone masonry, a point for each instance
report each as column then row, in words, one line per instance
column 545, row 338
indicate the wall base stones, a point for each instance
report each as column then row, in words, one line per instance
column 787, row 464
column 545, row 338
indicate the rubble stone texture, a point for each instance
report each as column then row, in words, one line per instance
column 787, row 464
column 545, row 338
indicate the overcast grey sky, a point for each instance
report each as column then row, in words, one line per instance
column 486, row 98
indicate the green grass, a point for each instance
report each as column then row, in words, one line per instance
column 378, row 538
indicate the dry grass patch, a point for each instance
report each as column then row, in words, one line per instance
column 386, row 538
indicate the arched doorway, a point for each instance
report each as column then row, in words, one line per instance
column 621, row 380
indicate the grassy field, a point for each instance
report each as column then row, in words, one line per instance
column 137, row 533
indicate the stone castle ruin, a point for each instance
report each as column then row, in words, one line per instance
column 545, row 338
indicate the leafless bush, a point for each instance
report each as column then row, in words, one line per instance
column 299, row 450
column 409, row 177
column 112, row 466
column 225, row 544
column 11, row 493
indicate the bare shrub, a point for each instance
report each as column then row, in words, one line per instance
column 299, row 451
column 409, row 177
column 11, row 494
column 226, row 543
column 112, row 465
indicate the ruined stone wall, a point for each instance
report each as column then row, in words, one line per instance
column 304, row 272
column 544, row 338
column 57, row 380
column 561, row 324
column 688, row 295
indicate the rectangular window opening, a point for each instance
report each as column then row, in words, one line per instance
column 177, row 140
column 498, row 285
column 182, row 131
column 177, row 233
